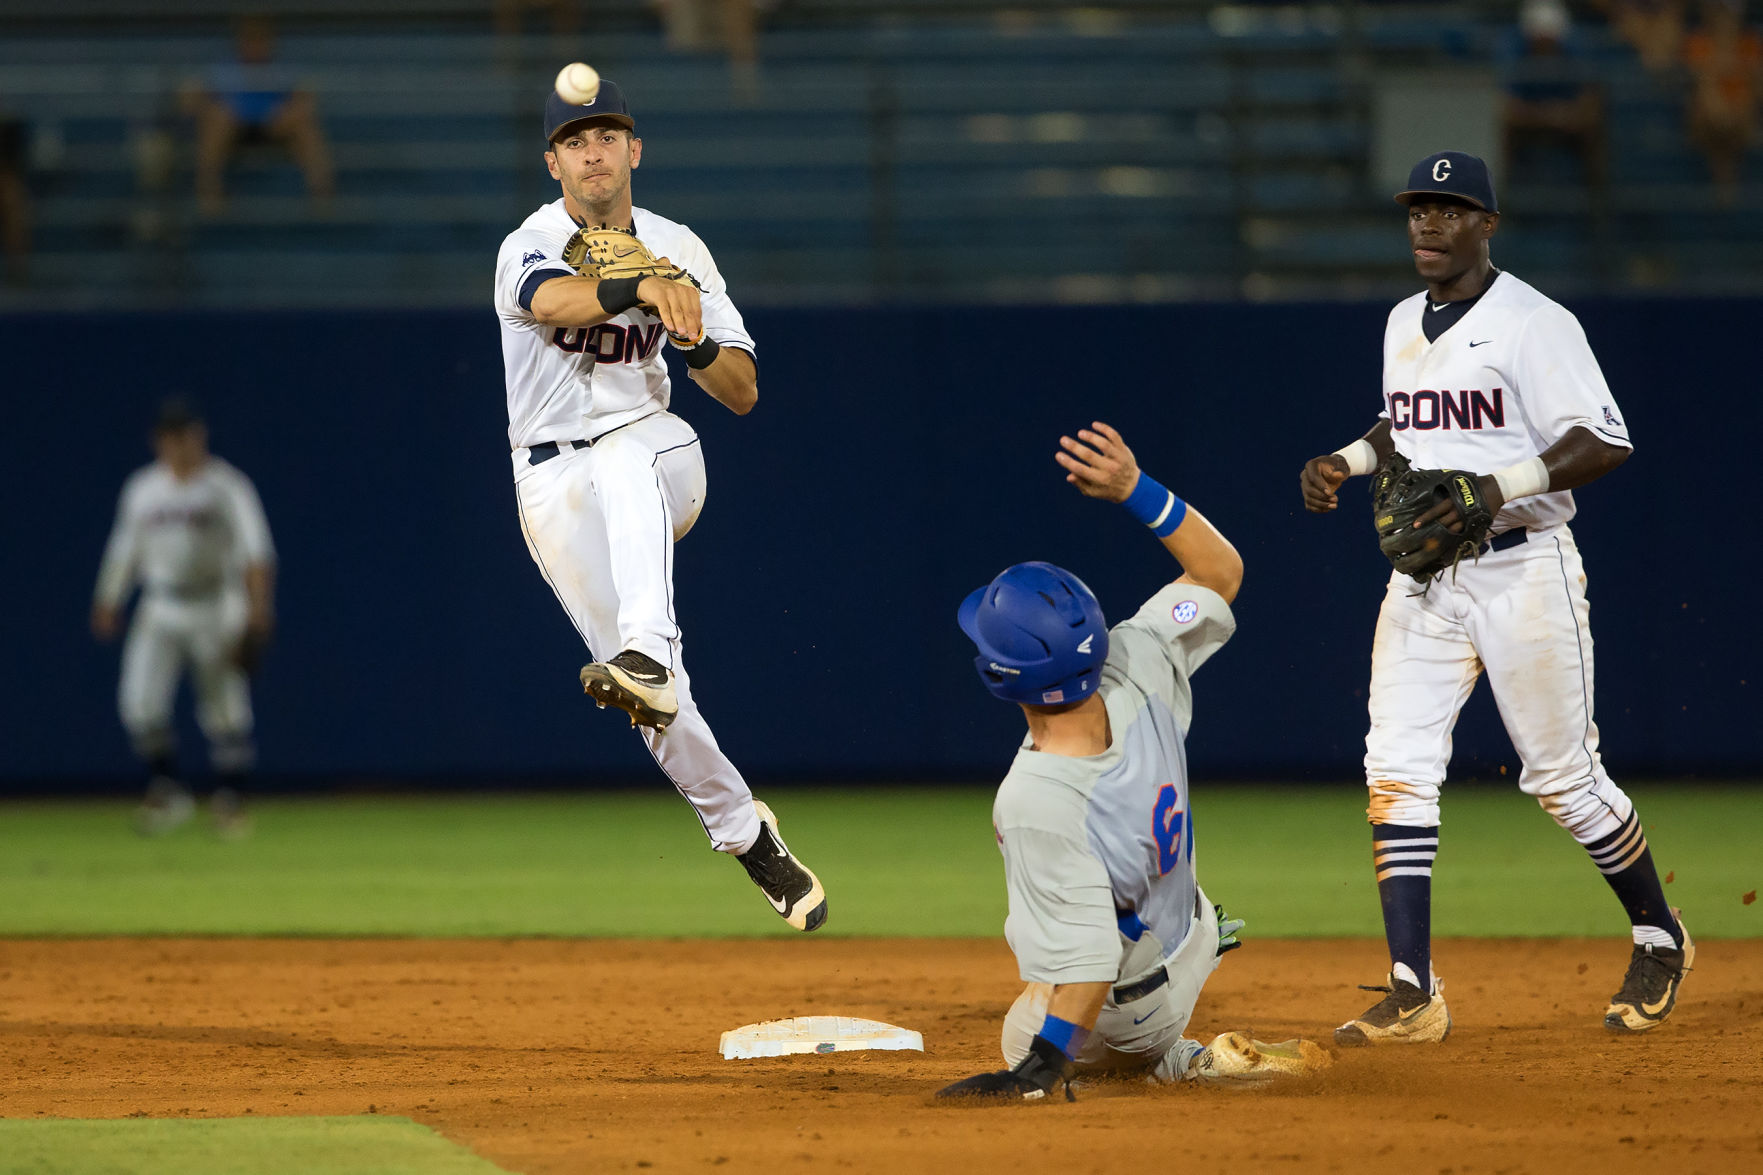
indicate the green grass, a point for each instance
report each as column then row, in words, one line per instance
column 909, row 861
column 239, row 1146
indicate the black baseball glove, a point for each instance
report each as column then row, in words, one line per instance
column 1035, row 1078
column 1400, row 494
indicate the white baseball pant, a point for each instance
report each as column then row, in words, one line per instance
column 1140, row 1033
column 1521, row 614
column 600, row 521
column 166, row 634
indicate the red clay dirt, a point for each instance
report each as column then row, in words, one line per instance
column 585, row 1056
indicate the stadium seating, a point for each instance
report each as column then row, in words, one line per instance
column 892, row 149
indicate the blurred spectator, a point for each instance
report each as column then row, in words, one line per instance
column 1553, row 103
column 254, row 100
column 1654, row 28
column 565, row 15
column 15, row 201
column 695, row 26
column 1724, row 59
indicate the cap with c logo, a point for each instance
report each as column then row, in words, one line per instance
column 608, row 106
column 1451, row 173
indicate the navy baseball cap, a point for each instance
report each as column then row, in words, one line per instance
column 607, row 106
column 177, row 412
column 1451, row 173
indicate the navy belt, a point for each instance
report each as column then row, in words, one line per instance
column 1502, row 542
column 198, row 591
column 1126, row 993
column 545, row 450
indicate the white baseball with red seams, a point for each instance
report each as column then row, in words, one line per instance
column 577, row 83
column 600, row 521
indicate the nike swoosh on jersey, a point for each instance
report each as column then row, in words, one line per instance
column 1484, row 342
column 1145, row 1017
column 1438, row 307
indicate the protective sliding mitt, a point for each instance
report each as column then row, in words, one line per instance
column 1035, row 1077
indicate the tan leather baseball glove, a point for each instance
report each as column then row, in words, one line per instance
column 599, row 250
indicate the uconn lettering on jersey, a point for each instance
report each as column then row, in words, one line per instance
column 1463, row 410
column 609, row 342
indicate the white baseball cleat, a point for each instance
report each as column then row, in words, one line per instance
column 227, row 815
column 790, row 886
column 1239, row 1061
column 1405, row 1015
column 167, row 808
column 635, row 683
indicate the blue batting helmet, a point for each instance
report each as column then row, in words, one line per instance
column 1040, row 632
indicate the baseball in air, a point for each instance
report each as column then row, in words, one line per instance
column 578, row 84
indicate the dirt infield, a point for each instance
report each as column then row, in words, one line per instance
column 578, row 1056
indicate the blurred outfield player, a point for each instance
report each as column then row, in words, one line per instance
column 1482, row 373
column 607, row 479
column 1110, row 929
column 191, row 532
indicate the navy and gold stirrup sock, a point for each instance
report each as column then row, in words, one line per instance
column 1403, row 855
column 1626, row 862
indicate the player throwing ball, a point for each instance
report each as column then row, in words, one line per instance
column 1110, row 929
column 606, row 478
column 1493, row 410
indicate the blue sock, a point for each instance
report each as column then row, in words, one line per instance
column 1403, row 856
column 1626, row 862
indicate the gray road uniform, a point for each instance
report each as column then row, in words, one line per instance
column 1099, row 851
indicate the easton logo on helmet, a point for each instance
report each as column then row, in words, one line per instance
column 1040, row 634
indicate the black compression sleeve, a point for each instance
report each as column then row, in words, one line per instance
column 618, row 294
column 703, row 355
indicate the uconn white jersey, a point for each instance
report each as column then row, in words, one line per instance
column 184, row 538
column 1099, row 851
column 1507, row 381
column 567, row 384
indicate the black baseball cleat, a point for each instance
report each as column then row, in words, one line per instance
column 635, row 683
column 1649, row 989
column 790, row 886
column 1406, row 1015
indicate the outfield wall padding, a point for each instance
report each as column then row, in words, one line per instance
column 897, row 459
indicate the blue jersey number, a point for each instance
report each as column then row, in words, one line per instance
column 1166, row 827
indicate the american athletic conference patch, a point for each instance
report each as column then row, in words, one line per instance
column 1185, row 611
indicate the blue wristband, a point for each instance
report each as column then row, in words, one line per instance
column 1064, row 1035
column 1156, row 506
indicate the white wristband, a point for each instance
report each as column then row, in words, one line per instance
column 1359, row 456
column 1523, row 479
